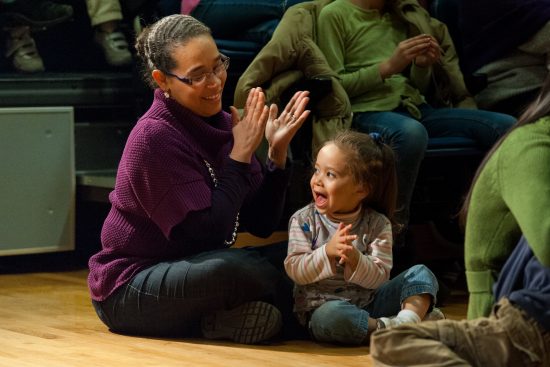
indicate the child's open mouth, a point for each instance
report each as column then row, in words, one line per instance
column 320, row 200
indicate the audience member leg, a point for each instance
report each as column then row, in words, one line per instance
column 171, row 298
column 105, row 17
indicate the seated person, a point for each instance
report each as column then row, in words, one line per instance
column 19, row 19
column 187, row 182
column 105, row 16
column 239, row 19
column 340, row 247
column 24, row 17
column 399, row 68
column 509, row 198
column 506, row 44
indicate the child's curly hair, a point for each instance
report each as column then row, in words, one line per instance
column 371, row 162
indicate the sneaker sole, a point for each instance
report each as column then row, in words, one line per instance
column 250, row 323
column 21, row 19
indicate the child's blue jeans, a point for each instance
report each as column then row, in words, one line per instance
column 344, row 323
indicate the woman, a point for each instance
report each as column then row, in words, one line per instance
column 188, row 180
column 507, row 261
column 512, row 71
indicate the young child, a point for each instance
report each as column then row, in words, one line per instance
column 340, row 247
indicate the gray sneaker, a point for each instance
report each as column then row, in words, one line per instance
column 115, row 47
column 21, row 49
column 249, row 323
column 435, row 315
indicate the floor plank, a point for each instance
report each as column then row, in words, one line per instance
column 48, row 320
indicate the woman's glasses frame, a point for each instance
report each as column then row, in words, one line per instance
column 220, row 68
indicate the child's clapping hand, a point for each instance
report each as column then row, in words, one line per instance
column 340, row 247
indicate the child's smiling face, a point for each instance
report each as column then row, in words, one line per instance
column 332, row 183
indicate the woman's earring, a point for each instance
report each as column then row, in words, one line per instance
column 166, row 94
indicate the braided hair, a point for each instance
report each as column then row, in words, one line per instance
column 156, row 43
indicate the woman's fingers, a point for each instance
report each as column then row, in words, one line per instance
column 273, row 111
column 235, row 117
column 297, row 103
column 254, row 104
column 295, row 112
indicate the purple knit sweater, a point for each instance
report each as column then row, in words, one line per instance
column 161, row 178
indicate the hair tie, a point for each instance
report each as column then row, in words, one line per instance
column 377, row 138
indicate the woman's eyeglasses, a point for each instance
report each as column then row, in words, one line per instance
column 219, row 69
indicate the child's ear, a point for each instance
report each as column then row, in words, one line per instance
column 363, row 191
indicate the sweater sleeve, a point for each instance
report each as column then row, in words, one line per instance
column 374, row 269
column 207, row 229
column 303, row 264
column 262, row 212
column 524, row 176
column 332, row 27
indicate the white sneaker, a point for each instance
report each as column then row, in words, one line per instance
column 21, row 48
column 115, row 47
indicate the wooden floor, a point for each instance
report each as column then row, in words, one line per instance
column 46, row 319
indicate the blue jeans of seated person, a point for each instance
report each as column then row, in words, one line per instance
column 409, row 138
column 170, row 298
column 229, row 19
column 342, row 322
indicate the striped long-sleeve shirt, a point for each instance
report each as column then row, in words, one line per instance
column 309, row 266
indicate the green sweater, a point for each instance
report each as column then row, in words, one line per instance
column 355, row 41
column 511, row 197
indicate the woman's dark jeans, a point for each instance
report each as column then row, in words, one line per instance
column 170, row 298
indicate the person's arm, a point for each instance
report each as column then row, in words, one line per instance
column 374, row 269
column 207, row 229
column 525, row 180
column 460, row 95
column 303, row 264
column 332, row 43
column 262, row 213
column 420, row 77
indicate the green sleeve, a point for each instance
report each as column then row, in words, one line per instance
column 332, row 30
column 524, row 176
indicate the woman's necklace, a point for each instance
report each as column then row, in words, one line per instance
column 215, row 181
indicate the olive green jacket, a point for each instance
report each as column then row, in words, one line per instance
column 292, row 55
column 447, row 88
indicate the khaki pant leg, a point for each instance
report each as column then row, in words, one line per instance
column 101, row 11
column 416, row 345
column 530, row 341
column 507, row 338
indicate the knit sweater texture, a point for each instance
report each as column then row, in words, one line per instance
column 162, row 176
column 511, row 197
